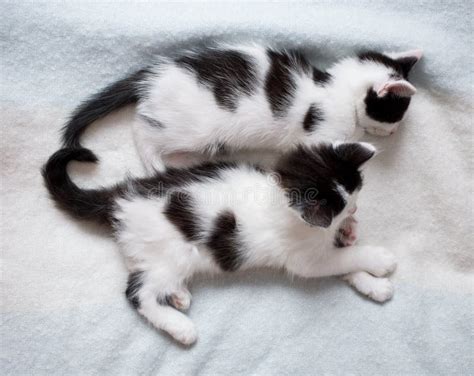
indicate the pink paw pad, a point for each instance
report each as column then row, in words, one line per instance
column 347, row 234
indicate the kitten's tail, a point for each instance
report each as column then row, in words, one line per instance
column 81, row 203
column 117, row 95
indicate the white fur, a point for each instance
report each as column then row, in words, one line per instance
column 273, row 233
column 192, row 119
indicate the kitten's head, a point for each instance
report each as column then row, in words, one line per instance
column 385, row 90
column 322, row 182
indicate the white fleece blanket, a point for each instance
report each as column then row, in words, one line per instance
column 63, row 308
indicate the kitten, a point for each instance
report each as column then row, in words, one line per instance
column 229, row 98
column 225, row 217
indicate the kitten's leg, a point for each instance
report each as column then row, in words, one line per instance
column 378, row 289
column 151, row 301
column 338, row 261
column 347, row 233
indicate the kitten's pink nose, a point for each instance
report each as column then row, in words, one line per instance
column 353, row 210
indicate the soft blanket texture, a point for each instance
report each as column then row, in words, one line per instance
column 63, row 308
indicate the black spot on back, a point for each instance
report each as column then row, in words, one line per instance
column 179, row 209
column 134, row 284
column 312, row 118
column 387, row 109
column 181, row 212
column 280, row 85
column 223, row 242
column 228, row 73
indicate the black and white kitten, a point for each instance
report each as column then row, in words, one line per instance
column 235, row 97
column 224, row 217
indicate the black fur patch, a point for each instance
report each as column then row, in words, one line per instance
column 312, row 118
column 387, row 109
column 113, row 97
column 354, row 155
column 320, row 77
column 228, row 73
column 95, row 204
column 338, row 241
column 407, row 63
column 223, row 242
column 279, row 83
column 176, row 177
column 134, row 284
column 180, row 212
column 173, row 178
column 310, row 177
column 401, row 66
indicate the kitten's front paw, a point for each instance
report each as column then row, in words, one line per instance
column 380, row 262
column 378, row 289
column 347, row 233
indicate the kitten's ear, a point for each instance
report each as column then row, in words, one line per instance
column 317, row 215
column 400, row 88
column 356, row 153
column 407, row 59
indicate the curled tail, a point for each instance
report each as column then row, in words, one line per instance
column 82, row 203
column 112, row 97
